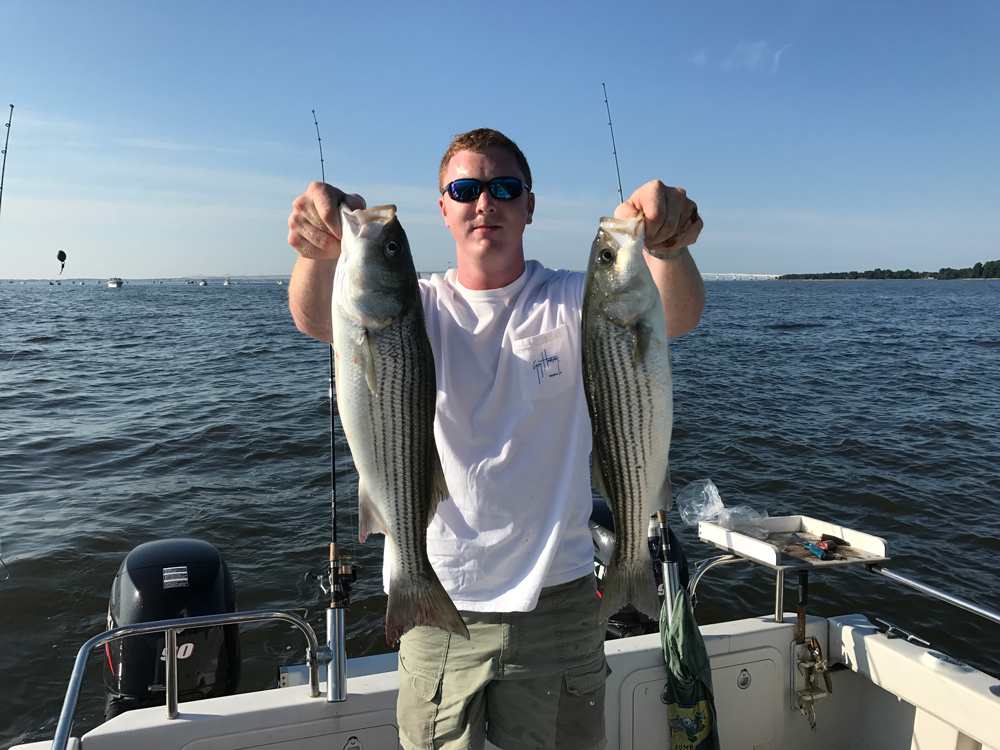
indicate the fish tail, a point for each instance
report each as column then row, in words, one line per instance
column 421, row 601
column 629, row 582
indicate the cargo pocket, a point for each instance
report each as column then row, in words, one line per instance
column 421, row 682
column 580, row 722
column 418, row 702
column 588, row 678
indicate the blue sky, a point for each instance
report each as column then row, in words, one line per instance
column 154, row 139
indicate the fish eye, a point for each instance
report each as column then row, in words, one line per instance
column 391, row 248
column 607, row 256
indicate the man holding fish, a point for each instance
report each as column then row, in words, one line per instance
column 522, row 378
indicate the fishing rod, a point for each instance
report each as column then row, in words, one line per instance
column 333, row 419
column 341, row 573
column 322, row 171
column 6, row 141
column 621, row 196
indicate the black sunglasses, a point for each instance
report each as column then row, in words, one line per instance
column 501, row 188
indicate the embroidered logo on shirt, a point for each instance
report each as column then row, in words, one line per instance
column 544, row 364
column 540, row 360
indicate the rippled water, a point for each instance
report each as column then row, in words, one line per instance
column 156, row 411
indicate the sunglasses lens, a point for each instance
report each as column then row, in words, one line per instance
column 464, row 191
column 505, row 188
column 501, row 188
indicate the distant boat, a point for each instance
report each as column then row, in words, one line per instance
column 225, row 283
column 115, row 283
column 203, row 283
column 280, row 281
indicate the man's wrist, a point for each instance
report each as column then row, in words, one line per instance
column 668, row 256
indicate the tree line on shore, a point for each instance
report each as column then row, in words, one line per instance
column 988, row 270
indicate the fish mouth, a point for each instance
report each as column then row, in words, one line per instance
column 624, row 231
column 366, row 223
column 628, row 226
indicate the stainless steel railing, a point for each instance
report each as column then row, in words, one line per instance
column 171, row 628
column 944, row 596
column 779, row 588
column 707, row 565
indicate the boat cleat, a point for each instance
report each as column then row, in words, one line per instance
column 891, row 631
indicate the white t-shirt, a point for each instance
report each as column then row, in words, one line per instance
column 514, row 436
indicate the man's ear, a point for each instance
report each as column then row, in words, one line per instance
column 444, row 210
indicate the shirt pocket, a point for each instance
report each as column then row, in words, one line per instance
column 544, row 364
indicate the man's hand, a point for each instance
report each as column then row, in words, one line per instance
column 671, row 223
column 314, row 231
column 671, row 218
column 314, row 226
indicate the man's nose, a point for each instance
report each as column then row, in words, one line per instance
column 485, row 203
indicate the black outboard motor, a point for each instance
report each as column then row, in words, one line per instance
column 629, row 621
column 165, row 580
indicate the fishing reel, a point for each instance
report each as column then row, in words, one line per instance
column 335, row 581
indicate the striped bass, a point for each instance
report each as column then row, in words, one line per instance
column 626, row 375
column 386, row 391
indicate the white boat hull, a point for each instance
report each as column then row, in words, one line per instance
column 888, row 695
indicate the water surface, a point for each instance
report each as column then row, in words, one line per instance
column 165, row 410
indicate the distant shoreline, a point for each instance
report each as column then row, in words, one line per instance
column 988, row 270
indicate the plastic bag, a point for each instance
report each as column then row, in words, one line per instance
column 745, row 520
column 699, row 501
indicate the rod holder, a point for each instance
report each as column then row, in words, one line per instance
column 671, row 576
column 336, row 670
column 779, row 595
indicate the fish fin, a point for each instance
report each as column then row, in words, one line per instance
column 369, row 521
column 364, row 353
column 642, row 334
column 597, row 474
column 629, row 582
column 439, row 487
column 420, row 600
column 665, row 498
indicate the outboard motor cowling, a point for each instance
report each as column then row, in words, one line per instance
column 166, row 580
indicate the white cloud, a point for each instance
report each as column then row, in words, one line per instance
column 700, row 58
column 756, row 56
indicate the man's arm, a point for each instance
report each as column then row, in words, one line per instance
column 672, row 224
column 310, row 294
column 314, row 231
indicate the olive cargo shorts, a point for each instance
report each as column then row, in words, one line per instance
column 525, row 681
